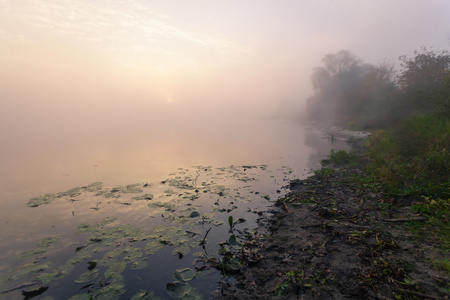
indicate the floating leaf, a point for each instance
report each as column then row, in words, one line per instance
column 181, row 250
column 133, row 254
column 179, row 290
column 46, row 277
column 70, row 193
column 144, row 197
column 152, row 246
column 44, row 245
column 107, row 220
column 48, row 241
column 82, row 228
column 94, row 187
column 116, row 269
column 46, row 199
column 113, row 290
column 139, row 265
column 186, row 274
column 87, row 276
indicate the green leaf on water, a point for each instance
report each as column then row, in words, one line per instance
column 179, row 290
column 70, row 193
column 144, row 197
column 152, row 246
column 44, row 245
column 87, row 276
column 107, row 220
column 139, row 265
column 45, row 277
column 114, row 290
column 37, row 201
column 48, row 241
column 185, row 274
column 115, row 269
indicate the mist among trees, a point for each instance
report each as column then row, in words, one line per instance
column 352, row 93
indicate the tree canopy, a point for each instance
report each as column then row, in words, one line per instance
column 347, row 90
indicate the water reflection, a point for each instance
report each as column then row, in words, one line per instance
column 194, row 198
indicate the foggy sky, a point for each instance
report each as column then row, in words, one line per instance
column 68, row 65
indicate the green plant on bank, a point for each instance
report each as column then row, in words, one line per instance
column 341, row 157
column 413, row 158
column 288, row 279
column 323, row 172
column 443, row 264
column 437, row 225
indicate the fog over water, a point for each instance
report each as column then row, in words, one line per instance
column 110, row 84
column 130, row 91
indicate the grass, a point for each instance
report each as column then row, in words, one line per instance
column 437, row 226
column 413, row 158
column 341, row 157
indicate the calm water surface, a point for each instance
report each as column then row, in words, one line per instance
column 157, row 191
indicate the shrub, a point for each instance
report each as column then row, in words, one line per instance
column 413, row 157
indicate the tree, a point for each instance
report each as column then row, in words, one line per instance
column 422, row 75
column 343, row 61
column 345, row 89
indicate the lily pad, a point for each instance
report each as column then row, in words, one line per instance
column 139, row 265
column 144, row 197
column 186, row 274
column 179, row 290
column 43, row 246
column 37, row 201
column 87, row 276
column 116, row 269
column 107, row 220
column 152, row 246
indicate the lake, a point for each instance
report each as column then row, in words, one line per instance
column 139, row 209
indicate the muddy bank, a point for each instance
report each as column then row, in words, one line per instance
column 332, row 238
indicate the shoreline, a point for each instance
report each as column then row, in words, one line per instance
column 332, row 238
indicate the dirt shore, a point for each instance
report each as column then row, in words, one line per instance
column 332, row 238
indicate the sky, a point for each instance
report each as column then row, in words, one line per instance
column 66, row 60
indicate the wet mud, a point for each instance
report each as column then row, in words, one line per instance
column 331, row 238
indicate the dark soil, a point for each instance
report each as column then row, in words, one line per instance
column 332, row 238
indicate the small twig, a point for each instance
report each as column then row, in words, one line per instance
column 194, row 182
column 419, row 294
column 204, row 239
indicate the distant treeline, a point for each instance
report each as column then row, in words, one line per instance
column 407, row 111
column 351, row 93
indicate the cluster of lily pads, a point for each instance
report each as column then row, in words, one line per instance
column 171, row 215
